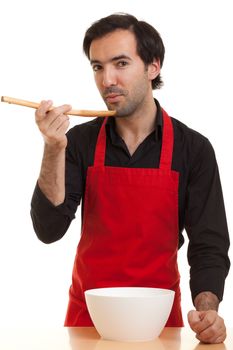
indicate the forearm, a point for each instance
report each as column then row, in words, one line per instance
column 205, row 301
column 52, row 174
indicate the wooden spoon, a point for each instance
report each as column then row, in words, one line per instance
column 77, row 112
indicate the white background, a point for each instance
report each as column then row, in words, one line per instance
column 41, row 58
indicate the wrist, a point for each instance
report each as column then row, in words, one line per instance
column 55, row 147
column 206, row 301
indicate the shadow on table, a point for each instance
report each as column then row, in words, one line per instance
column 202, row 346
column 88, row 339
column 83, row 338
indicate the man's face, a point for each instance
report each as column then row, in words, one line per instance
column 120, row 74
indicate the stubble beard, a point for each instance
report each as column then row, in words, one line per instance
column 130, row 104
column 123, row 111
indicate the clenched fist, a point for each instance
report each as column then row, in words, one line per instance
column 53, row 123
column 208, row 326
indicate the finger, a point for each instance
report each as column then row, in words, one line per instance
column 213, row 332
column 43, row 109
column 194, row 319
column 193, row 316
column 220, row 339
column 55, row 135
column 56, row 111
column 55, row 117
column 63, row 128
column 215, row 339
column 58, row 122
column 208, row 318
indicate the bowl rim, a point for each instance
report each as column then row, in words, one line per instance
column 94, row 292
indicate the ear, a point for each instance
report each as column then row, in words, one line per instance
column 153, row 69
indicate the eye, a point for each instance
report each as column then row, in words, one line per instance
column 122, row 64
column 96, row 67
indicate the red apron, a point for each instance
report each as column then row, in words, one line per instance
column 130, row 230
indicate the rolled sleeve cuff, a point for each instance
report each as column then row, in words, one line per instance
column 43, row 204
column 212, row 280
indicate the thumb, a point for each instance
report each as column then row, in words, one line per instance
column 194, row 317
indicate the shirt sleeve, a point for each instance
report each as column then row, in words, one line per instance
column 52, row 222
column 206, row 225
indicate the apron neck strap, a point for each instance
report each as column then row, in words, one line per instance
column 167, row 144
column 100, row 148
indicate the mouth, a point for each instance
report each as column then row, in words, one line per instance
column 113, row 98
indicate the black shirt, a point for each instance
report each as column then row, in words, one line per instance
column 201, row 206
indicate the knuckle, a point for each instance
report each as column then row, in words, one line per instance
column 38, row 117
column 63, row 118
column 212, row 332
column 67, row 107
column 60, row 110
column 42, row 128
column 208, row 319
column 60, row 119
column 52, row 113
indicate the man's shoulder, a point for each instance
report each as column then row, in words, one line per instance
column 183, row 131
column 194, row 142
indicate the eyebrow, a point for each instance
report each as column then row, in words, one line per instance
column 113, row 59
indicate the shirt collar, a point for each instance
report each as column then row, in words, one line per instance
column 111, row 127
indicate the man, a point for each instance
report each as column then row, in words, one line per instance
column 143, row 177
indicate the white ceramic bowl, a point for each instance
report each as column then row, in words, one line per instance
column 129, row 313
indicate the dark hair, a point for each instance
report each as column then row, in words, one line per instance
column 149, row 43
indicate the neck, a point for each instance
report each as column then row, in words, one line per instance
column 135, row 128
column 140, row 123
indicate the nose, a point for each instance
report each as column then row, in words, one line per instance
column 109, row 77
